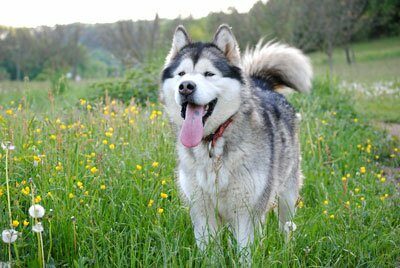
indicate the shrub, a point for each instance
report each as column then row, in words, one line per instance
column 140, row 84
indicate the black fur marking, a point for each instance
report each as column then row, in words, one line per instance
column 194, row 51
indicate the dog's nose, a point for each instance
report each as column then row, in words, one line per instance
column 186, row 88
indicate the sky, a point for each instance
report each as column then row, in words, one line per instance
column 32, row 13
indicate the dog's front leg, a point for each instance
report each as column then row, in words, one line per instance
column 204, row 220
column 243, row 229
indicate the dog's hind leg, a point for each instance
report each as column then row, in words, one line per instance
column 287, row 199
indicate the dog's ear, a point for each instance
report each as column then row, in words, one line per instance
column 226, row 42
column 181, row 39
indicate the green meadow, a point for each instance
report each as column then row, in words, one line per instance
column 104, row 171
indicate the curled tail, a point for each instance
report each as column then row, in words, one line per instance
column 279, row 65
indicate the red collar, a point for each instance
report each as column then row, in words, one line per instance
column 219, row 132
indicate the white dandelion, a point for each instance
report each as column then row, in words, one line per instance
column 9, row 236
column 289, row 227
column 7, row 146
column 36, row 211
column 38, row 227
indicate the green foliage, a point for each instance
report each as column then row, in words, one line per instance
column 4, row 75
column 140, row 84
column 117, row 225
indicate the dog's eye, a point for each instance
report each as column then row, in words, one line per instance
column 209, row 74
column 181, row 73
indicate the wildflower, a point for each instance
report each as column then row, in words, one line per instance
column 300, row 204
column 49, row 194
column 347, row 203
column 105, row 142
column 326, row 202
column 392, row 156
column 383, row 179
column 138, row 167
column 25, row 223
column 15, row 223
column 94, row 170
column 26, row 190
column 36, row 211
column 38, row 227
column 71, row 195
column 163, row 182
column 332, row 216
column 82, row 102
column 164, row 195
column 59, row 166
column 86, row 193
column 53, row 137
column 356, row 190
column 109, row 134
column 160, row 210
column 362, row 198
column 362, row 170
column 151, row 202
column 325, row 212
column 38, row 199
column 9, row 112
column 344, row 179
column 155, row 164
column 103, row 187
column 89, row 107
column 7, row 146
column 355, row 120
column 112, row 146
column 9, row 236
column 382, row 198
column 376, row 157
column 79, row 184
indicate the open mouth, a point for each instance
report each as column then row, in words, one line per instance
column 209, row 108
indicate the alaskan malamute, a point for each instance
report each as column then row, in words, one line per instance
column 238, row 138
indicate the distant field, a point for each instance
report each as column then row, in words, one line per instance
column 377, row 60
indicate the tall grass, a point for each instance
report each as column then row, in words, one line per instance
column 105, row 174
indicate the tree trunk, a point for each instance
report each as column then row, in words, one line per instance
column 348, row 54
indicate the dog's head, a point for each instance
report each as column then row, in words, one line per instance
column 201, row 83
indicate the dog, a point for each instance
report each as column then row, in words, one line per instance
column 238, row 137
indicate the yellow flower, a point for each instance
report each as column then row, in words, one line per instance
column 109, row 134
column 326, row 202
column 138, row 167
column 58, row 121
column 38, row 130
column 331, row 216
column 71, row 195
column 151, row 202
column 63, row 127
column 25, row 223
column 89, row 107
column 103, row 187
column 86, row 193
column 105, row 142
column 383, row 179
column 356, row 190
column 362, row 198
column 26, row 190
column 15, row 223
column 82, row 102
column 93, row 170
column 347, row 203
column 300, row 204
column 112, row 146
column 355, row 120
column 53, row 137
column 325, row 212
column 79, row 184
column 344, row 179
column 59, row 166
column 392, row 156
column 164, row 195
column 49, row 194
column 363, row 170
column 9, row 112
column 163, row 182
column 160, row 210
column 38, row 199
column 154, row 164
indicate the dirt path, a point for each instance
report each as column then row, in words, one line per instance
column 392, row 128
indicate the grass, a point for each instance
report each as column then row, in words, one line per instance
column 99, row 166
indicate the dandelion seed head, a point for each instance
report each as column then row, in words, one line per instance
column 36, row 211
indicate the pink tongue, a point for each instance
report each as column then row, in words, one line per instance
column 192, row 128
